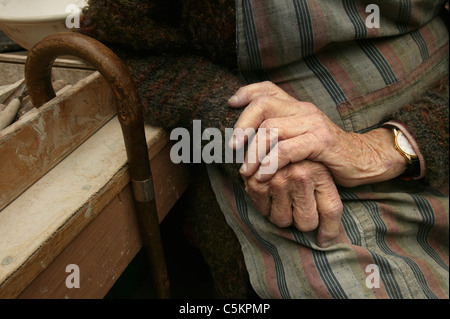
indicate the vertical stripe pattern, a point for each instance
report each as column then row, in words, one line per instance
column 358, row 23
column 251, row 43
column 378, row 61
column 306, row 34
column 303, row 39
column 324, row 268
column 271, row 249
column 429, row 220
column 366, row 229
column 323, row 52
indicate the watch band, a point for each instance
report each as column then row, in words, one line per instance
column 412, row 169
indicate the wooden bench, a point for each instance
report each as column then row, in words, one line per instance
column 78, row 209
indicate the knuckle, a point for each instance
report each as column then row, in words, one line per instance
column 269, row 86
column 259, row 105
column 306, row 219
column 268, row 83
column 283, row 147
column 327, row 233
column 260, row 101
column 313, row 109
column 306, row 224
column 278, row 183
column 333, row 212
column 255, row 189
column 338, row 208
column 335, row 209
column 269, row 124
column 252, row 183
column 301, row 174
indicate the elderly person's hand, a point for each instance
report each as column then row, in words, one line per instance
column 304, row 132
column 302, row 194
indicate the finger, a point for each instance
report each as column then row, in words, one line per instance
column 281, row 208
column 329, row 206
column 292, row 150
column 305, row 212
column 270, row 132
column 247, row 93
column 259, row 194
column 259, row 110
column 258, row 148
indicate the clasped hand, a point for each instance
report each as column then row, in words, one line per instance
column 312, row 155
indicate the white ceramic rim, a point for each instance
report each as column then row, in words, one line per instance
column 33, row 19
column 30, row 20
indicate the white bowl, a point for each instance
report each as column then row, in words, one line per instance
column 27, row 22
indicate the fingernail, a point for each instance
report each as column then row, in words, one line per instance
column 258, row 175
column 233, row 100
column 243, row 168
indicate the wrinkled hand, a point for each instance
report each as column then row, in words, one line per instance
column 304, row 132
column 302, row 194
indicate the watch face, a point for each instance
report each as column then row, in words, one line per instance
column 404, row 144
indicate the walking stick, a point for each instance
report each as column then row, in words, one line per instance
column 38, row 78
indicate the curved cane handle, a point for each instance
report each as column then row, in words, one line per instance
column 42, row 56
column 38, row 78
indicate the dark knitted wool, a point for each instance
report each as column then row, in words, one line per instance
column 212, row 28
column 132, row 24
column 216, row 240
column 177, row 87
column 176, row 90
column 207, row 28
column 427, row 119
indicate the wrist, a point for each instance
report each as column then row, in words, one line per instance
column 381, row 161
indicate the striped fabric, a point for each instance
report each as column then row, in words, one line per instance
column 401, row 228
column 322, row 51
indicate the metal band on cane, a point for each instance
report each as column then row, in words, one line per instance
column 143, row 190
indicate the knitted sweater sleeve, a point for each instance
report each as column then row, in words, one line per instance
column 427, row 120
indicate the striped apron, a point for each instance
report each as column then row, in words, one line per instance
column 394, row 235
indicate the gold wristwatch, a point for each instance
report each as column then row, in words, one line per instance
column 404, row 147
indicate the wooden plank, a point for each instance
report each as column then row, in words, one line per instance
column 107, row 245
column 7, row 90
column 10, row 73
column 32, row 146
column 29, row 255
column 65, row 61
column 49, row 215
column 101, row 252
column 69, row 69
